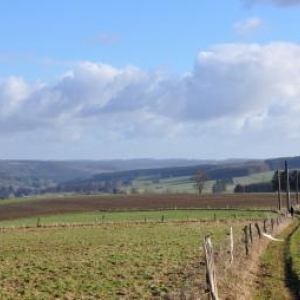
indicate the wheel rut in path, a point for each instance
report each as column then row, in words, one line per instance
column 292, row 279
column 277, row 279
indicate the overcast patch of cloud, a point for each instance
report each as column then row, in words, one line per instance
column 247, row 27
column 233, row 90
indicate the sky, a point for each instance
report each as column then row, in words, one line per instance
column 99, row 79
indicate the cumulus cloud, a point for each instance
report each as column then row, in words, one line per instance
column 248, row 27
column 234, row 91
column 276, row 2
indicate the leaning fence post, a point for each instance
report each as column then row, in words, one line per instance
column 210, row 268
column 258, row 230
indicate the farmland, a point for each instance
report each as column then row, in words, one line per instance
column 99, row 217
column 72, row 204
column 185, row 184
column 111, row 261
column 118, row 247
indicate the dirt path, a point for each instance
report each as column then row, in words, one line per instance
column 245, row 277
column 274, row 279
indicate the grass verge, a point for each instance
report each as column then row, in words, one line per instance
column 274, row 280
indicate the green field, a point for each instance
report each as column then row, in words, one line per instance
column 180, row 184
column 104, row 262
column 185, row 184
column 138, row 216
column 254, row 178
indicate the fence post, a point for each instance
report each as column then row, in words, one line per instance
column 258, row 230
column 39, row 222
column 265, row 225
column 210, row 268
column 250, row 233
column 231, row 245
column 279, row 190
column 272, row 224
column 246, row 239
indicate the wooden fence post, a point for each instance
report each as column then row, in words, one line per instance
column 272, row 224
column 258, row 230
column 250, row 233
column 246, row 239
column 279, row 190
column 39, row 222
column 231, row 245
column 210, row 269
column 265, row 225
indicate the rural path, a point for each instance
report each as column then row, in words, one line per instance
column 275, row 278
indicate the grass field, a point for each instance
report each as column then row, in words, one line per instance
column 120, row 255
column 180, row 184
column 185, row 184
column 107, row 262
column 254, row 178
column 138, row 216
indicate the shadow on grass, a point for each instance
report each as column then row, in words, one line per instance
column 291, row 278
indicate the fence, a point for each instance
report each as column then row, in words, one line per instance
column 234, row 255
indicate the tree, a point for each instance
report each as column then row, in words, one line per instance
column 239, row 188
column 293, row 177
column 219, row 186
column 200, row 177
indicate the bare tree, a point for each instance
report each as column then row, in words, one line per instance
column 200, row 177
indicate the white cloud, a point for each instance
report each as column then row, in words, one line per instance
column 236, row 94
column 248, row 27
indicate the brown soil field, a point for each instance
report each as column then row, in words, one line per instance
column 72, row 204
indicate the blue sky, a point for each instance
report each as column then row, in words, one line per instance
column 123, row 79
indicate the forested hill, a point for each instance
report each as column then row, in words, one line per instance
column 278, row 163
column 26, row 177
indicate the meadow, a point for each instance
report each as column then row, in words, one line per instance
column 186, row 184
column 80, row 252
column 108, row 262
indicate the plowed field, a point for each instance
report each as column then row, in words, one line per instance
column 69, row 204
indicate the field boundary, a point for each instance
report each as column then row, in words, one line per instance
column 235, row 277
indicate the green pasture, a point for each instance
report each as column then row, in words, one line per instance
column 185, row 184
column 145, row 261
column 180, row 184
column 254, row 178
column 138, row 216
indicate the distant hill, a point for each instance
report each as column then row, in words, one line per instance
column 26, row 177
column 60, row 171
column 278, row 163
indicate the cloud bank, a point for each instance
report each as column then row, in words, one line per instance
column 238, row 93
